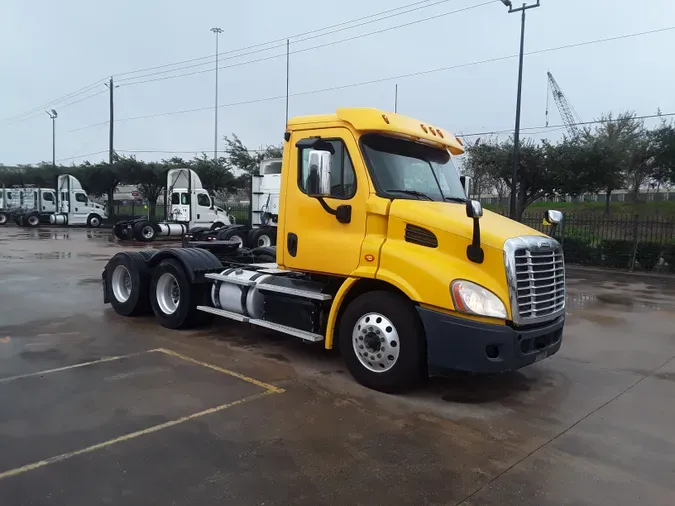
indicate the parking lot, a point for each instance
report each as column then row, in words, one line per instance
column 100, row 409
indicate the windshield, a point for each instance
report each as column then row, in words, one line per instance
column 406, row 169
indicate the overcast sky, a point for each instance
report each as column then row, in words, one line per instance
column 53, row 48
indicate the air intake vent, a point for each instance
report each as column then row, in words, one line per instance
column 421, row 236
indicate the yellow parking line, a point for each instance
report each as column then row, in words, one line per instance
column 267, row 386
column 74, row 366
column 133, row 435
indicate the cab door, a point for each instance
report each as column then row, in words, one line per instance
column 314, row 239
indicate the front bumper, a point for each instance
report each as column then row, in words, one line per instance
column 457, row 344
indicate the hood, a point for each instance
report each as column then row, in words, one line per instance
column 450, row 217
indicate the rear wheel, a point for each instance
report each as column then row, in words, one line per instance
column 382, row 341
column 3, row 219
column 127, row 279
column 144, row 231
column 264, row 237
column 173, row 299
column 217, row 225
column 237, row 235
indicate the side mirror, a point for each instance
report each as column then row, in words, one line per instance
column 318, row 178
column 552, row 217
column 474, row 209
column 467, row 183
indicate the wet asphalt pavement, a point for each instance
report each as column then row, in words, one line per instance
column 100, row 409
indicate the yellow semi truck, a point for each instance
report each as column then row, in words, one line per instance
column 379, row 252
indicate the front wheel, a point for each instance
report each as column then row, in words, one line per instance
column 382, row 341
column 94, row 221
column 32, row 220
column 3, row 219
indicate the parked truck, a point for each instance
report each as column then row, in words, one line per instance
column 380, row 254
column 193, row 215
column 68, row 204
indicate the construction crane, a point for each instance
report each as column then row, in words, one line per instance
column 569, row 116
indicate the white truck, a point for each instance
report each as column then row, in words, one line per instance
column 187, row 204
column 193, row 216
column 68, row 205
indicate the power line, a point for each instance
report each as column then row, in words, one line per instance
column 319, row 46
column 63, row 106
column 390, row 78
column 82, row 156
column 56, row 101
column 283, row 39
column 558, row 127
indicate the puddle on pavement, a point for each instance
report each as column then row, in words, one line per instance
column 589, row 302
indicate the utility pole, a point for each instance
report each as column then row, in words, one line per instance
column 516, row 135
column 53, row 115
column 111, row 134
column 217, row 31
column 396, row 99
column 288, row 75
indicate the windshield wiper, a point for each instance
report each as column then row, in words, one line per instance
column 456, row 199
column 411, row 192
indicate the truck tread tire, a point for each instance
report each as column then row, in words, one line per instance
column 3, row 219
column 136, row 265
column 32, row 220
column 230, row 233
column 217, row 225
column 141, row 231
column 263, row 237
column 407, row 370
column 264, row 255
column 185, row 313
column 123, row 231
column 94, row 221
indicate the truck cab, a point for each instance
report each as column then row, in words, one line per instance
column 190, row 203
column 73, row 205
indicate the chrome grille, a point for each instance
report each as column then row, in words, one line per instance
column 536, row 272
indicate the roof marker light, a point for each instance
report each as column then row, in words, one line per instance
column 386, row 120
column 424, row 128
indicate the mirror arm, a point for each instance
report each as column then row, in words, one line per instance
column 343, row 213
column 473, row 251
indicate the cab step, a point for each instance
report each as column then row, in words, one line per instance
column 225, row 314
column 305, row 294
column 302, row 334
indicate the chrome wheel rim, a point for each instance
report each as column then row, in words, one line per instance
column 94, row 222
column 168, row 293
column 148, row 232
column 33, row 220
column 121, row 283
column 264, row 241
column 376, row 342
column 238, row 240
column 3, row 219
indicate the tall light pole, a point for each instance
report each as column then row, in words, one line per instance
column 516, row 135
column 52, row 114
column 217, row 31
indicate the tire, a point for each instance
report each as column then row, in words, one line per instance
column 404, row 342
column 264, row 237
column 144, row 231
column 127, row 280
column 265, row 255
column 234, row 234
column 217, row 225
column 173, row 299
column 32, row 220
column 3, row 219
column 94, row 221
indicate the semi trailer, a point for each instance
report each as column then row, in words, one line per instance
column 68, row 204
column 380, row 253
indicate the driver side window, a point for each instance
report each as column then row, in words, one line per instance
column 343, row 177
column 81, row 197
column 203, row 200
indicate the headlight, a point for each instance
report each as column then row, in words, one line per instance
column 474, row 299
